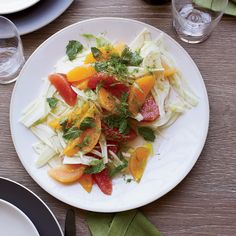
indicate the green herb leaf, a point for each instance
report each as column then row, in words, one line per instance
column 114, row 171
column 114, row 66
column 136, row 59
column 95, row 168
column 52, row 102
column 73, row 48
column 147, row 133
column 101, row 66
column 97, row 54
column 88, row 36
column 63, row 123
column 88, row 122
column 123, row 126
column 72, row 133
column 85, row 142
column 130, row 58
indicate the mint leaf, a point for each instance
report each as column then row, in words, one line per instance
column 147, row 133
column 73, row 48
column 96, row 168
column 88, row 122
column 52, row 102
column 97, row 54
column 72, row 133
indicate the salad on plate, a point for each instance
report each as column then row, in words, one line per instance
column 102, row 108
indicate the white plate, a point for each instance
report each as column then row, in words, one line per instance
column 14, row 222
column 177, row 150
column 11, row 6
column 39, row 15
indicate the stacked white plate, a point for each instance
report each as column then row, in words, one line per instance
column 31, row 15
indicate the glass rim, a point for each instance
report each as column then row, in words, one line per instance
column 213, row 21
column 12, row 24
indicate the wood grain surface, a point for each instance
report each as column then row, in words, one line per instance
column 204, row 203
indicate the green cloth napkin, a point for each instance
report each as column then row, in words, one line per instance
column 127, row 223
column 230, row 9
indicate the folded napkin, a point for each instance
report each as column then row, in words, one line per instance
column 127, row 223
column 230, row 9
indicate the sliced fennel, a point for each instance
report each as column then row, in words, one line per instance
column 46, row 154
column 103, row 145
column 138, row 42
column 83, row 159
column 45, row 134
column 55, row 161
column 136, row 71
column 39, row 108
column 151, row 55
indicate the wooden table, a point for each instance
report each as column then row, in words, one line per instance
column 205, row 201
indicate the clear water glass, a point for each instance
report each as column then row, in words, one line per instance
column 11, row 51
column 193, row 23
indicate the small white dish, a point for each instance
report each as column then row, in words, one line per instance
column 14, row 222
column 176, row 152
column 11, row 6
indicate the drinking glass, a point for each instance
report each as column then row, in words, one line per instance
column 194, row 20
column 11, row 51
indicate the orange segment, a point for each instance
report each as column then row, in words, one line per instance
column 169, row 72
column 80, row 73
column 138, row 162
column 139, row 91
column 86, row 182
column 67, row 174
column 86, row 141
column 106, row 100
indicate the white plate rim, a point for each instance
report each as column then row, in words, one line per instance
column 22, row 214
column 20, row 8
column 166, row 190
column 38, row 198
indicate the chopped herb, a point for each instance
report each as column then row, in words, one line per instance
column 95, row 168
column 52, row 102
column 115, row 121
column 114, row 171
column 88, row 122
column 131, row 58
column 85, row 142
column 73, row 48
column 64, row 123
column 72, row 133
column 123, row 108
column 120, row 121
column 123, row 126
column 147, row 133
column 101, row 66
column 97, row 54
column 114, row 66
column 129, row 180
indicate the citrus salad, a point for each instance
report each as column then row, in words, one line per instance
column 101, row 98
